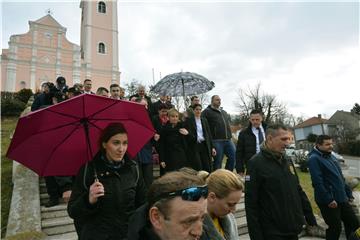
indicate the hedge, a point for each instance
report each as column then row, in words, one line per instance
column 12, row 104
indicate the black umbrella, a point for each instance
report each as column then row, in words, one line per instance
column 182, row 84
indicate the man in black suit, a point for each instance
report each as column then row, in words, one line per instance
column 249, row 141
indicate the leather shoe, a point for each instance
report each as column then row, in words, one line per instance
column 52, row 202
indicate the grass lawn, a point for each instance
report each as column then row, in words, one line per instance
column 7, row 126
column 305, row 181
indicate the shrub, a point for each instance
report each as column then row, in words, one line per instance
column 350, row 148
column 354, row 148
column 24, row 95
column 12, row 107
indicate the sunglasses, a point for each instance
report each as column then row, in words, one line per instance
column 187, row 194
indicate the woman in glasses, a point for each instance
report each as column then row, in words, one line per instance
column 107, row 189
column 225, row 190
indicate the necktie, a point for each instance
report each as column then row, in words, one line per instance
column 261, row 137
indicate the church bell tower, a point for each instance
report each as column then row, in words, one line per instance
column 99, row 42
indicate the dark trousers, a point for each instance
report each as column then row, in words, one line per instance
column 146, row 171
column 52, row 188
column 333, row 218
column 201, row 159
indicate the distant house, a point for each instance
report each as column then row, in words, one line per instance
column 344, row 126
column 315, row 125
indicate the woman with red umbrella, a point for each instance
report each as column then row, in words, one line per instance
column 107, row 189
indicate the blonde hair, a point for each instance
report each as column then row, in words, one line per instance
column 172, row 112
column 222, row 182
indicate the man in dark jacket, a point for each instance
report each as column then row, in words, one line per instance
column 249, row 141
column 332, row 195
column 140, row 93
column 219, row 122
column 274, row 200
column 175, row 209
column 43, row 98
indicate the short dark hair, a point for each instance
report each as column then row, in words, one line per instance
column 170, row 182
column 193, row 97
column 256, row 111
column 163, row 106
column 321, row 138
column 87, row 80
column 273, row 129
column 114, row 85
column 111, row 130
column 213, row 96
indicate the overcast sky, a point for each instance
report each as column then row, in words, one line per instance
column 307, row 54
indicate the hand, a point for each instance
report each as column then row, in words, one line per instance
column 156, row 137
column 241, row 174
column 66, row 196
column 96, row 191
column 333, row 204
column 213, row 152
column 183, row 131
column 163, row 164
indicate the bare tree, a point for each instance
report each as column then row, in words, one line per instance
column 254, row 98
column 178, row 102
column 131, row 88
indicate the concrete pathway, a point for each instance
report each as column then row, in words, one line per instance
column 354, row 166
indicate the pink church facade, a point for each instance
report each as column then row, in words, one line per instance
column 43, row 53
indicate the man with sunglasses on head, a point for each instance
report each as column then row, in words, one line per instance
column 175, row 209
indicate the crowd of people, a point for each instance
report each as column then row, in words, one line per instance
column 115, row 197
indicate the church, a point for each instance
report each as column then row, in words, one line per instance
column 44, row 53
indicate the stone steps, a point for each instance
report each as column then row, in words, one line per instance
column 58, row 225
column 55, row 221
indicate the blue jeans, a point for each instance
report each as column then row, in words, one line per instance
column 226, row 147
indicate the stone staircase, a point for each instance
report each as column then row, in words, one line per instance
column 56, row 223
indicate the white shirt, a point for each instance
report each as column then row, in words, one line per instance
column 199, row 130
column 256, row 133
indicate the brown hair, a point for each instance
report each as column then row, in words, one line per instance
column 111, row 130
column 170, row 182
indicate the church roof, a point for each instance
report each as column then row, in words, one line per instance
column 48, row 20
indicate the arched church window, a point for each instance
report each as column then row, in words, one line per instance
column 101, row 47
column 101, row 7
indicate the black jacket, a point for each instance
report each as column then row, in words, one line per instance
column 219, row 123
column 245, row 147
column 173, row 148
column 190, row 125
column 108, row 218
column 274, row 200
column 140, row 227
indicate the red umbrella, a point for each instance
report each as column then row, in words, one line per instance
column 58, row 140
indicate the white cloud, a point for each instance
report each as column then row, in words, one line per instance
column 306, row 53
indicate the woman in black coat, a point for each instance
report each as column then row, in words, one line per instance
column 201, row 148
column 107, row 190
column 173, row 143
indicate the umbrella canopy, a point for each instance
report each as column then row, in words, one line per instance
column 182, row 84
column 59, row 139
